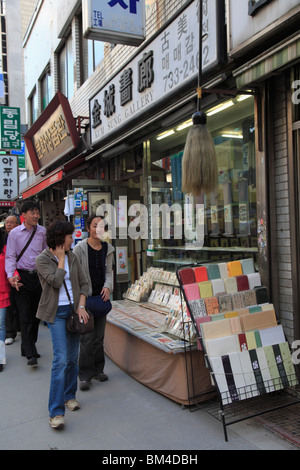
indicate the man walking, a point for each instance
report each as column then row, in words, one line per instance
column 24, row 244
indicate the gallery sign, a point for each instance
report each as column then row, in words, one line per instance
column 115, row 21
column 169, row 62
column 53, row 135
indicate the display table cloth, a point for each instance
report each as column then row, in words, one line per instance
column 150, row 362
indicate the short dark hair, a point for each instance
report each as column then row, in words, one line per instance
column 57, row 232
column 29, row 206
column 90, row 219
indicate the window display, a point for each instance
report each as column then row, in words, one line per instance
column 219, row 225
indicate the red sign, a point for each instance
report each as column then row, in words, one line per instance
column 43, row 184
column 53, row 135
column 7, row 203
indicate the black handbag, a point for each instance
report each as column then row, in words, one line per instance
column 74, row 325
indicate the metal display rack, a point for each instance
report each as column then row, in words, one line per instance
column 239, row 404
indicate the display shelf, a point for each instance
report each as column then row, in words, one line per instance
column 135, row 341
column 245, row 347
column 256, row 406
column 145, row 323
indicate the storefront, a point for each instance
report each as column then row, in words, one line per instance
column 139, row 124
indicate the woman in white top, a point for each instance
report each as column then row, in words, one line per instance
column 57, row 267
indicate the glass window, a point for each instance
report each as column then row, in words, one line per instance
column 223, row 223
column 66, row 69
column 33, row 106
column 95, row 54
column 46, row 90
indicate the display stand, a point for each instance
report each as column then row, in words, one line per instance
column 244, row 345
column 136, row 342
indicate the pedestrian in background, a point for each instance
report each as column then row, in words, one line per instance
column 4, row 300
column 24, row 244
column 12, row 323
column 96, row 259
column 58, row 270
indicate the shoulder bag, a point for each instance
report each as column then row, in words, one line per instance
column 96, row 305
column 27, row 244
column 74, row 325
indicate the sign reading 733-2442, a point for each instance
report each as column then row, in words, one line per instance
column 10, row 128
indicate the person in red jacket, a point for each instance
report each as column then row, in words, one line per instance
column 4, row 300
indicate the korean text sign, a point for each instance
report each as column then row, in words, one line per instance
column 9, row 177
column 10, row 128
column 116, row 21
column 168, row 63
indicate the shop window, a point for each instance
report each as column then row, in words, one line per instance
column 33, row 104
column 92, row 53
column 220, row 225
column 46, row 89
column 95, row 55
column 66, row 69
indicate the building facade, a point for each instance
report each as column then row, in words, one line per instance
column 131, row 140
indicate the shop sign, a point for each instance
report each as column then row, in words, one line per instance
column 9, row 177
column 10, row 128
column 115, row 21
column 7, row 203
column 53, row 135
column 170, row 61
column 250, row 21
column 43, row 184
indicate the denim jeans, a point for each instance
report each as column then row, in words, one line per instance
column 64, row 372
column 2, row 335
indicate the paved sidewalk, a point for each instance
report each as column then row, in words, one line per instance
column 118, row 415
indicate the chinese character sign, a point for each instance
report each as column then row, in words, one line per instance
column 9, row 177
column 53, row 139
column 116, row 21
column 167, row 63
column 10, row 130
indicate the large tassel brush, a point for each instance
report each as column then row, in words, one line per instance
column 199, row 162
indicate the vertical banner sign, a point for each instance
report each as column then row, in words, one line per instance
column 116, row 21
column 10, row 128
column 8, row 177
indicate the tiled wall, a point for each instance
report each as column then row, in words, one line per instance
column 283, row 247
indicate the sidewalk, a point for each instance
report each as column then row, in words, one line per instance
column 120, row 414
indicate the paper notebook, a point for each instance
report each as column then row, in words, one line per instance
column 234, row 268
column 205, row 289
column 213, row 271
column 201, row 274
column 223, row 270
column 218, row 286
column 242, row 283
column 247, row 266
column 230, row 285
column 191, row 291
column 187, row 276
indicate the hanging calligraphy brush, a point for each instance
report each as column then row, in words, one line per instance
column 199, row 162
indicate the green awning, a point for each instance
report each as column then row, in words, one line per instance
column 267, row 63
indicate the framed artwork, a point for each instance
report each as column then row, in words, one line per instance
column 122, row 260
column 96, row 200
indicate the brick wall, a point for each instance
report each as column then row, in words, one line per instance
column 283, row 243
